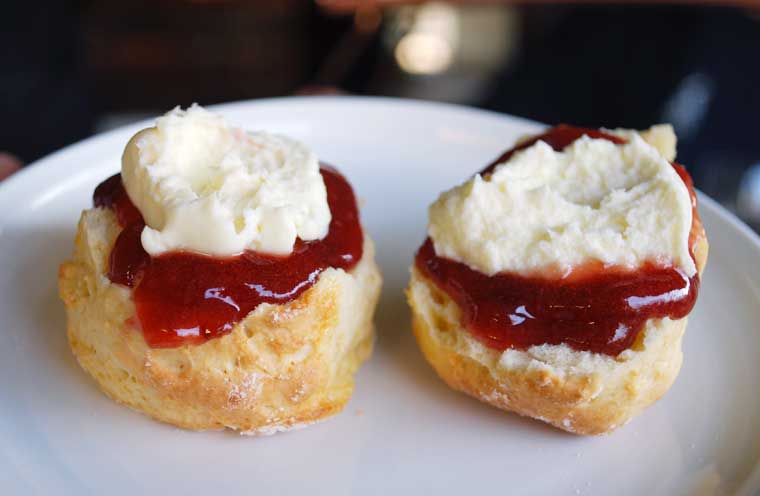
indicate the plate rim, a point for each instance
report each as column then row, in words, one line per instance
column 32, row 172
column 27, row 172
column 56, row 155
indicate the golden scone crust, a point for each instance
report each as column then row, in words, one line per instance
column 580, row 392
column 282, row 367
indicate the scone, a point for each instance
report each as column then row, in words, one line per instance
column 222, row 280
column 557, row 282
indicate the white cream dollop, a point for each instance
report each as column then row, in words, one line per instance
column 543, row 210
column 207, row 187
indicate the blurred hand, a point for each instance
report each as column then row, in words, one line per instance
column 8, row 164
column 348, row 6
column 317, row 89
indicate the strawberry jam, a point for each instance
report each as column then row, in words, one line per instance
column 598, row 309
column 189, row 298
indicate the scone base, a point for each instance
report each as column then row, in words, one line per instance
column 281, row 367
column 572, row 404
column 251, row 422
column 579, row 392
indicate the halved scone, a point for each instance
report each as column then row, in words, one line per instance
column 287, row 362
column 565, row 376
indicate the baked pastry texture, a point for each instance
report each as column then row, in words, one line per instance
column 578, row 391
column 282, row 367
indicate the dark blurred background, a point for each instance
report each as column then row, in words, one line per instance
column 70, row 69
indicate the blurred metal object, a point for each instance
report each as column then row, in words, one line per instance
column 687, row 107
column 748, row 197
column 445, row 51
column 431, row 39
column 422, row 53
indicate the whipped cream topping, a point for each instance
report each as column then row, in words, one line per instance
column 544, row 211
column 207, row 187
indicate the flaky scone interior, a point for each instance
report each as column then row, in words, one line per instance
column 578, row 391
column 281, row 367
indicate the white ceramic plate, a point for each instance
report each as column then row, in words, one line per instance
column 404, row 431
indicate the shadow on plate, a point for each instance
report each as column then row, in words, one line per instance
column 38, row 310
column 398, row 346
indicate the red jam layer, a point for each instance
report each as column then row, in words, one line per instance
column 558, row 138
column 187, row 298
column 601, row 310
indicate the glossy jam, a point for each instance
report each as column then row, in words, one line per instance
column 558, row 138
column 597, row 309
column 187, row 298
